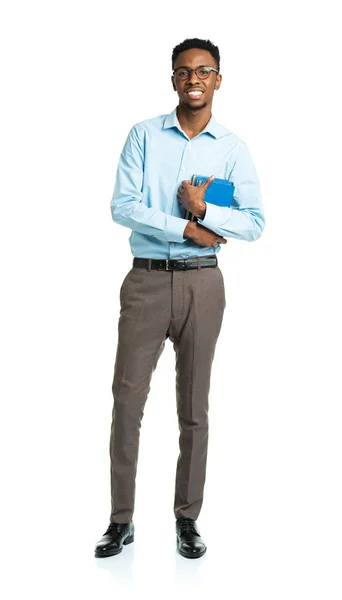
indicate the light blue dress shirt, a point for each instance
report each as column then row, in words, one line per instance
column 157, row 156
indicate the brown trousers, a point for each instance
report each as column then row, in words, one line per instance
column 187, row 306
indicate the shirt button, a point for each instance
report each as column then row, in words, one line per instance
column 183, row 169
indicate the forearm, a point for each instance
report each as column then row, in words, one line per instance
column 135, row 215
column 200, row 210
column 190, row 229
column 228, row 222
column 245, row 224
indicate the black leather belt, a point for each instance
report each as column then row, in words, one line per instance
column 175, row 264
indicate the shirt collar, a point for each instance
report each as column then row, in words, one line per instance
column 212, row 126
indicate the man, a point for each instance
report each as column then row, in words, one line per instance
column 175, row 288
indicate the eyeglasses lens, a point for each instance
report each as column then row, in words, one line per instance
column 201, row 73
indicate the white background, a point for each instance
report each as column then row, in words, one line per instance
column 75, row 77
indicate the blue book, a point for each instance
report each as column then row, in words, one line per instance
column 220, row 192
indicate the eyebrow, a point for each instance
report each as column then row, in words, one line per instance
column 185, row 67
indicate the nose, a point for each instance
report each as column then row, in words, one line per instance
column 193, row 78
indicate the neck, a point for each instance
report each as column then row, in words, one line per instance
column 193, row 121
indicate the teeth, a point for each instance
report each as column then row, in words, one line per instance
column 195, row 93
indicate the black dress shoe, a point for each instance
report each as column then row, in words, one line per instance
column 189, row 541
column 112, row 541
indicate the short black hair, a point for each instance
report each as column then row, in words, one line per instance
column 197, row 43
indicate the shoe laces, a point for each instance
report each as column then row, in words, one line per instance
column 116, row 526
column 187, row 524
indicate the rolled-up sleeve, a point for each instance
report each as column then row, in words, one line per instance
column 127, row 206
column 246, row 220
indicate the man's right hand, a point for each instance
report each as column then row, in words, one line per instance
column 203, row 236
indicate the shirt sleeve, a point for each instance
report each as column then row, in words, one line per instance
column 245, row 221
column 127, row 206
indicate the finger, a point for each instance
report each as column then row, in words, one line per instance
column 209, row 181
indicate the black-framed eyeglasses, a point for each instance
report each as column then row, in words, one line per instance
column 202, row 72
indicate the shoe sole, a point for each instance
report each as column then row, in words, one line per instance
column 128, row 540
column 191, row 555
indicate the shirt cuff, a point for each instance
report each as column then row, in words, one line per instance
column 175, row 228
column 214, row 216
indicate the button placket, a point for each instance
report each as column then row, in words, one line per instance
column 188, row 145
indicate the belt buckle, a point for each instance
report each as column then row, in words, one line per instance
column 182, row 265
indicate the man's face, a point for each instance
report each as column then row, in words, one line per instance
column 192, row 59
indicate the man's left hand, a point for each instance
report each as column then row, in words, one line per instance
column 192, row 196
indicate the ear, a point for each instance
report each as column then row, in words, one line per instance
column 218, row 82
column 173, row 83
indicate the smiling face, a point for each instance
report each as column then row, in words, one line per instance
column 192, row 59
